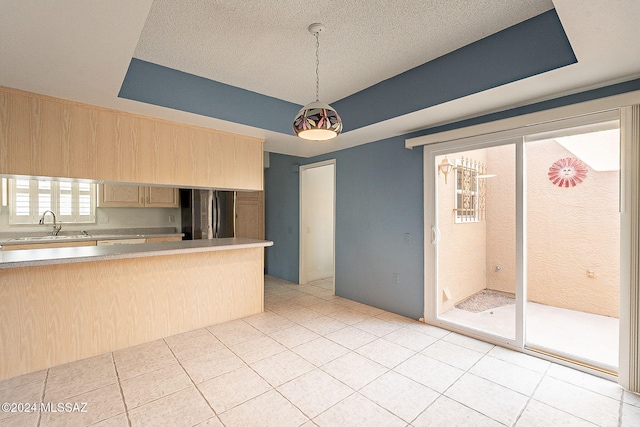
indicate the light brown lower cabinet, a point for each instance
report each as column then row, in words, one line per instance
column 132, row 241
column 250, row 214
column 133, row 196
column 48, row 245
column 91, row 243
column 60, row 313
column 164, row 239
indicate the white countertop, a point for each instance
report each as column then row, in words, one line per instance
column 35, row 257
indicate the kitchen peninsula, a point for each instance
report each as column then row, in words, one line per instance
column 65, row 304
column 58, row 305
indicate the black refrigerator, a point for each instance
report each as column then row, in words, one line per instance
column 207, row 213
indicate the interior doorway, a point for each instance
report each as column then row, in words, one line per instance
column 317, row 222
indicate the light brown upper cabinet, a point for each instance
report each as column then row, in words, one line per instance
column 161, row 197
column 51, row 137
column 133, row 196
column 120, row 196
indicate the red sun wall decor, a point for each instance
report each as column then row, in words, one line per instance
column 567, row 172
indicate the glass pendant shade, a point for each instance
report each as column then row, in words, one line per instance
column 317, row 121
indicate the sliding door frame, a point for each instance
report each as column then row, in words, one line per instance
column 517, row 136
column 432, row 235
column 629, row 361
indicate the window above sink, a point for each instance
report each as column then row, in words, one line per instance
column 73, row 202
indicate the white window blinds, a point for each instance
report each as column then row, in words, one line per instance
column 72, row 202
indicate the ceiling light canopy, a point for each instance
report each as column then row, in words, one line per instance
column 317, row 121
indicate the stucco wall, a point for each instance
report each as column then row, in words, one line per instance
column 461, row 247
column 570, row 231
column 501, row 219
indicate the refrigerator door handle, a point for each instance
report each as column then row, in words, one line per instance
column 214, row 214
column 235, row 202
column 218, row 214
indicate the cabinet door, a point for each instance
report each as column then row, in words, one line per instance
column 120, row 242
column 120, row 196
column 250, row 215
column 161, row 197
column 164, row 239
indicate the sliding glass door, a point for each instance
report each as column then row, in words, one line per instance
column 573, row 243
column 476, row 242
column 524, row 245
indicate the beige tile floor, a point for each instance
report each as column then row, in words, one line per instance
column 315, row 359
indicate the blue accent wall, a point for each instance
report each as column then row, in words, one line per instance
column 378, row 200
column 532, row 47
column 603, row 92
column 282, row 215
column 158, row 85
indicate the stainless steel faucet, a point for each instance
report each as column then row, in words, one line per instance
column 56, row 228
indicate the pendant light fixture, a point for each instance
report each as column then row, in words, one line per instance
column 317, row 121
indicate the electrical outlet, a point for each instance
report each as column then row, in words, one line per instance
column 104, row 219
column 396, row 279
column 407, row 238
column 172, row 218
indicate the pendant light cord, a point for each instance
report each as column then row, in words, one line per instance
column 317, row 66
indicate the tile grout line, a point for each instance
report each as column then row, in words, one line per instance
column 310, row 418
column 621, row 410
column 277, row 391
column 546, row 375
column 403, row 326
column 191, row 379
column 44, row 387
column 451, row 385
column 530, row 397
column 315, row 367
column 427, row 408
column 337, row 379
column 245, row 365
column 588, row 389
column 124, row 402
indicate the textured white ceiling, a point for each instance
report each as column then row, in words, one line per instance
column 264, row 46
column 80, row 50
